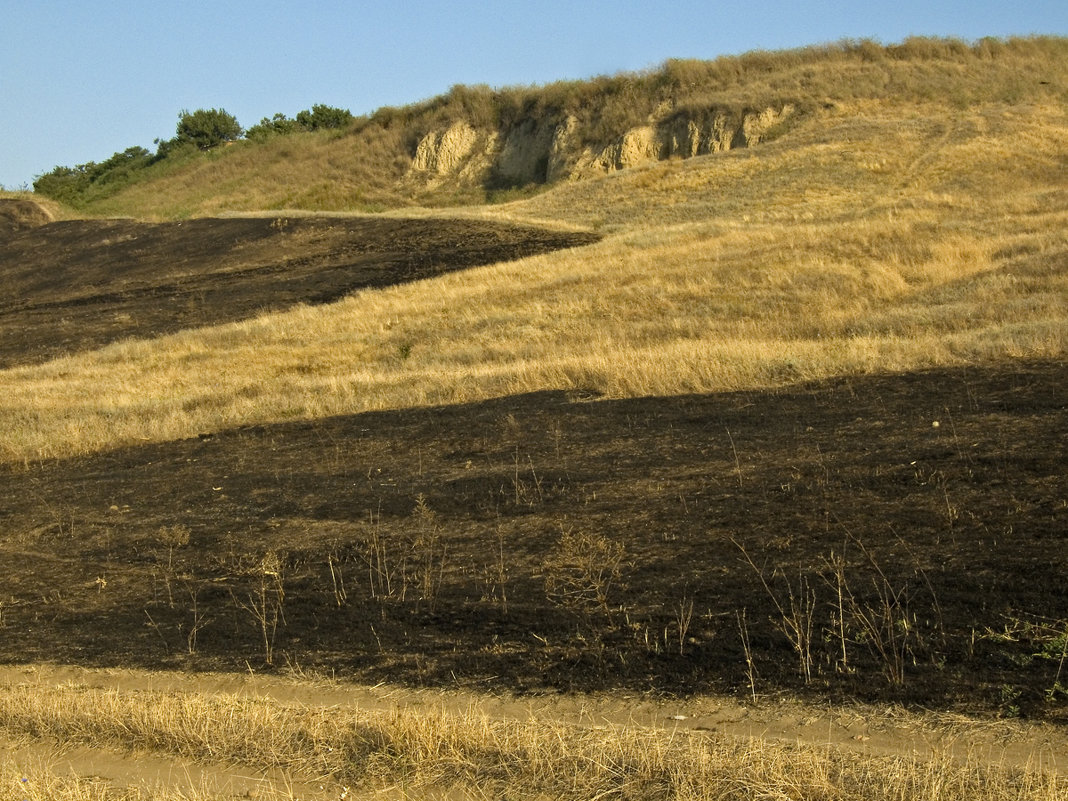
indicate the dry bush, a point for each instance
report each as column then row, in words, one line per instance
column 582, row 572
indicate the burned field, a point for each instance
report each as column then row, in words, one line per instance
column 884, row 538
column 79, row 284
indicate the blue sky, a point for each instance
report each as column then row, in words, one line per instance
column 82, row 80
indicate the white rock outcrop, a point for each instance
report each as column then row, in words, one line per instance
column 563, row 151
column 756, row 126
column 549, row 150
column 444, row 152
column 524, row 155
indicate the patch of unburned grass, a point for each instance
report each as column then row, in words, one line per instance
column 468, row 753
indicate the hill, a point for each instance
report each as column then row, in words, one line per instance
column 777, row 421
column 477, row 143
column 874, row 236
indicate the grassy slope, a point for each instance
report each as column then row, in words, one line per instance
column 878, row 235
column 874, row 236
column 364, row 168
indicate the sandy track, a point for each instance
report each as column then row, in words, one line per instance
column 877, row 732
column 149, row 771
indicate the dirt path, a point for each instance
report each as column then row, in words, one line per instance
column 153, row 772
column 877, row 732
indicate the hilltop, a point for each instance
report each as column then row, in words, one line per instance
column 475, row 144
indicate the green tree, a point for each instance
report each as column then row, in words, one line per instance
column 278, row 125
column 207, row 128
column 63, row 183
column 85, row 182
column 322, row 116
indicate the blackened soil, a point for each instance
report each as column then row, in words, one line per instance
column 896, row 538
column 74, row 285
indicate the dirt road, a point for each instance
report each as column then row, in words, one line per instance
column 883, row 731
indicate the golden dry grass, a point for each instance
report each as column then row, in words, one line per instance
column 363, row 168
column 470, row 755
column 54, row 208
column 875, row 237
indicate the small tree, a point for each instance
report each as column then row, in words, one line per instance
column 207, row 128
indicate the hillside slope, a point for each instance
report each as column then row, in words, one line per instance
column 785, row 420
column 475, row 143
column 876, row 237
column 112, row 279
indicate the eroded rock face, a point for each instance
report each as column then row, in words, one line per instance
column 637, row 146
column 756, row 126
column 563, row 150
column 686, row 137
column 549, row 150
column 444, row 152
column 524, row 157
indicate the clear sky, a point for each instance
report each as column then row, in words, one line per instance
column 82, row 79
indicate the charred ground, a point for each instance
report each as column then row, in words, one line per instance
column 554, row 541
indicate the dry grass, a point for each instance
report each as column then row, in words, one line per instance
column 39, row 779
column 361, row 169
column 472, row 756
column 874, row 238
column 309, row 171
column 35, row 780
column 56, row 209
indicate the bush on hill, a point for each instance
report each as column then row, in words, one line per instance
column 207, row 128
column 77, row 185
column 322, row 117
column 319, row 117
column 278, row 125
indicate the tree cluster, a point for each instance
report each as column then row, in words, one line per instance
column 197, row 131
column 74, row 185
column 318, row 118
